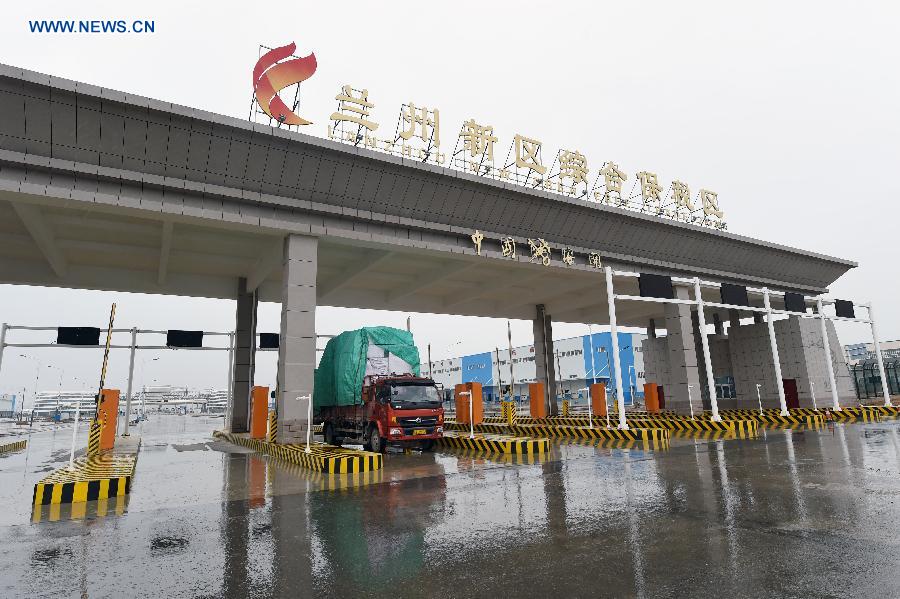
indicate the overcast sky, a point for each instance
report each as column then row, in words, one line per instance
column 789, row 110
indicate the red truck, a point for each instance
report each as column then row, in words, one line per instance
column 404, row 410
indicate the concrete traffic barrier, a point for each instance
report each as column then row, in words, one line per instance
column 494, row 443
column 91, row 478
column 320, row 458
column 14, row 446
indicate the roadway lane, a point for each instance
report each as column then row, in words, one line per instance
column 794, row 514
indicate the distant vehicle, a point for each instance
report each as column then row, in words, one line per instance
column 367, row 390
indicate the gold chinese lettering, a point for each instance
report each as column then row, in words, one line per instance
column 354, row 109
column 426, row 122
column 711, row 203
column 568, row 256
column 573, row 165
column 613, row 178
column 649, row 187
column 594, row 260
column 540, row 250
column 477, row 238
column 478, row 139
column 527, row 150
column 508, row 247
column 682, row 195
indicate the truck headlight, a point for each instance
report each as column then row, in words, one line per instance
column 439, row 429
column 395, row 431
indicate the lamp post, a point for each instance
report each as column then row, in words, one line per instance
column 37, row 376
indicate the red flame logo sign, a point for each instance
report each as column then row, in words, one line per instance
column 273, row 73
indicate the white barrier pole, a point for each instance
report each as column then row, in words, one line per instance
column 690, row 402
column 2, row 345
column 779, row 383
column 707, row 360
column 74, row 434
column 130, row 379
column 812, row 393
column 614, row 334
column 827, row 345
column 593, row 377
column 309, row 423
column 884, row 382
column 759, row 397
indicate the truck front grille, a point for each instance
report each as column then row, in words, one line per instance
column 417, row 421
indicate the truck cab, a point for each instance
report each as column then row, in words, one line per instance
column 403, row 410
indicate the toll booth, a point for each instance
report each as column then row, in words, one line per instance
column 464, row 393
column 538, row 403
column 651, row 397
column 259, row 412
column 598, row 399
column 108, row 415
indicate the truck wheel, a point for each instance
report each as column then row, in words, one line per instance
column 376, row 441
column 367, row 438
column 329, row 434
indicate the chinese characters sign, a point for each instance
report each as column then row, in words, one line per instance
column 417, row 136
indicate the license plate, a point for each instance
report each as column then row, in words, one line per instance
column 419, row 431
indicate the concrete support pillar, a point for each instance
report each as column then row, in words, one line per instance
column 544, row 363
column 651, row 329
column 734, row 318
column 297, row 341
column 682, row 349
column 244, row 358
column 717, row 324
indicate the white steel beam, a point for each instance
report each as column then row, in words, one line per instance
column 267, row 262
column 165, row 248
column 43, row 236
column 347, row 276
column 435, row 276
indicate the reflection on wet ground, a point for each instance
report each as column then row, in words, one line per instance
column 792, row 514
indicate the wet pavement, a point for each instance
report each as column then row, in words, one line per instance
column 792, row 514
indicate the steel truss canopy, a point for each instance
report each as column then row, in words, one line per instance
column 100, row 189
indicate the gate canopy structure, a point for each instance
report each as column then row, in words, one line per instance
column 100, row 189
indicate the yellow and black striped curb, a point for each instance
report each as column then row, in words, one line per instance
column 320, row 458
column 564, row 431
column 272, row 436
column 494, row 443
column 643, row 444
column 744, row 428
column 81, row 510
column 884, row 410
column 94, row 431
column 501, row 458
column 329, row 481
column 773, row 417
column 508, row 412
column 14, row 446
column 866, row 414
column 91, row 478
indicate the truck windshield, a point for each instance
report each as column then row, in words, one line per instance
column 420, row 396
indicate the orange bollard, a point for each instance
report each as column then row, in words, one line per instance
column 598, row 399
column 462, row 402
column 259, row 412
column 538, row 403
column 651, row 398
column 108, row 414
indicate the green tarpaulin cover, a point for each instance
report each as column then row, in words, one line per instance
column 339, row 377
